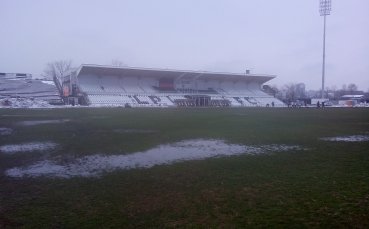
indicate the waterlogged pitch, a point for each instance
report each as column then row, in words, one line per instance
column 96, row 165
column 122, row 168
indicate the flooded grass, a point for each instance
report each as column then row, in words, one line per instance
column 5, row 131
column 207, row 168
column 351, row 138
column 41, row 122
column 27, row 147
column 96, row 165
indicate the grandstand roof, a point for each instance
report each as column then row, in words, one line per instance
column 87, row 69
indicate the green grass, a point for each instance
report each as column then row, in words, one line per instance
column 325, row 186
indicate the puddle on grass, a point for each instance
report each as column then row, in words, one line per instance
column 280, row 148
column 40, row 122
column 351, row 138
column 27, row 147
column 95, row 165
column 5, row 131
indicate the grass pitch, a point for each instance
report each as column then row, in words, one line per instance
column 324, row 186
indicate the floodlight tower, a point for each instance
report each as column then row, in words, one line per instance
column 324, row 9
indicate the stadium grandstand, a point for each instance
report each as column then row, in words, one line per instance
column 97, row 85
column 23, row 86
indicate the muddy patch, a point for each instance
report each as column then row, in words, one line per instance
column 351, row 138
column 5, row 131
column 96, row 165
column 41, row 122
column 27, row 147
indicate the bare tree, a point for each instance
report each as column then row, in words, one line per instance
column 275, row 90
column 57, row 69
column 294, row 91
column 332, row 92
column 346, row 89
column 118, row 63
column 290, row 90
column 352, row 87
column 271, row 90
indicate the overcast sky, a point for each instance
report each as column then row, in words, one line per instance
column 282, row 38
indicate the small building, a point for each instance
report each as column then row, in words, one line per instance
column 11, row 76
column 350, row 100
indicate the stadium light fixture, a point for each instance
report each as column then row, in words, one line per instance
column 325, row 8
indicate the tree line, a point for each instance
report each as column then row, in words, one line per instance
column 297, row 91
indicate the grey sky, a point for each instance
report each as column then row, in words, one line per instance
column 274, row 37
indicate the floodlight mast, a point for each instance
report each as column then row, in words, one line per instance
column 325, row 8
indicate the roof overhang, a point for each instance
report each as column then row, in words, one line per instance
column 87, row 69
column 353, row 96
